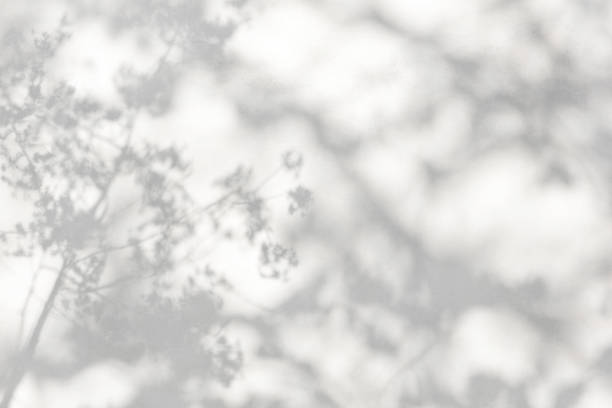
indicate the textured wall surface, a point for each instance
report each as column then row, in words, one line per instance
column 305, row 203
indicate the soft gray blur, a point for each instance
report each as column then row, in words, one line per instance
column 315, row 203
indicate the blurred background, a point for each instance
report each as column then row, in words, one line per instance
column 454, row 251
